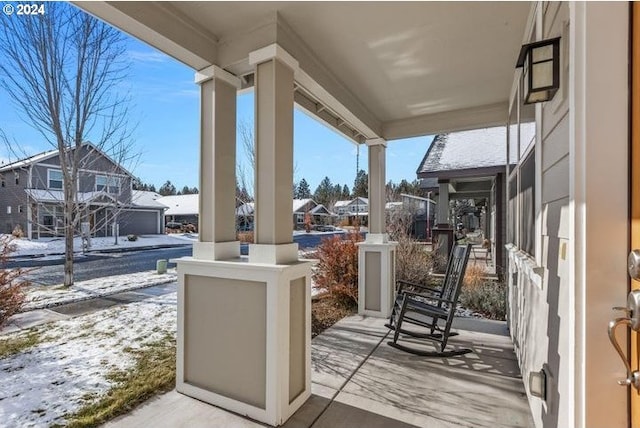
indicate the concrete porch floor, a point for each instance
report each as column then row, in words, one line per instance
column 360, row 381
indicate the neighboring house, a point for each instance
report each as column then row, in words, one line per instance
column 469, row 166
column 350, row 210
column 423, row 211
column 318, row 213
column 31, row 196
column 181, row 208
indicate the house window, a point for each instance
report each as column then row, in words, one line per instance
column 47, row 220
column 55, row 179
column 527, row 204
column 2, row 183
column 521, row 202
column 299, row 218
column 17, row 177
column 20, row 209
column 108, row 184
column 8, row 209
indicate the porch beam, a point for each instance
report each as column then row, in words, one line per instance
column 447, row 121
column 162, row 26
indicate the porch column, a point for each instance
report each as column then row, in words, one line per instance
column 274, row 85
column 216, row 222
column 244, row 325
column 376, row 256
column 443, row 203
column 443, row 232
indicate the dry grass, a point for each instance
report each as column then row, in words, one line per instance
column 327, row 309
column 474, row 276
column 153, row 373
column 14, row 345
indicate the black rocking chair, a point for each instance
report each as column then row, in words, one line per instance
column 430, row 308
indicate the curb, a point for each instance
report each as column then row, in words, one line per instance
column 104, row 251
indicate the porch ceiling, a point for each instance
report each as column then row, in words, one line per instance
column 389, row 69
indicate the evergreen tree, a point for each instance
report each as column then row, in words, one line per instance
column 167, row 189
column 361, row 185
column 303, row 190
column 152, row 188
column 346, row 194
column 323, row 192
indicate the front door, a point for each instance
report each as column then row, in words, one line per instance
column 634, row 346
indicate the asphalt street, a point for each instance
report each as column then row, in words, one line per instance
column 50, row 270
column 96, row 265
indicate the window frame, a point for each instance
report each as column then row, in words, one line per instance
column 108, row 186
column 525, row 154
column 49, row 172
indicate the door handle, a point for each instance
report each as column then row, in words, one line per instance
column 632, row 320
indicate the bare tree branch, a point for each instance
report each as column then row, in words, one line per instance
column 63, row 71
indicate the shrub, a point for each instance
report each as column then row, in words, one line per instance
column 414, row 263
column 482, row 294
column 487, row 298
column 245, row 237
column 132, row 238
column 12, row 295
column 337, row 268
column 17, row 232
column 474, row 276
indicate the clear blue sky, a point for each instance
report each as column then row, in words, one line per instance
column 165, row 106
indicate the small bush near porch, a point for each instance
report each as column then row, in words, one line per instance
column 484, row 295
column 336, row 278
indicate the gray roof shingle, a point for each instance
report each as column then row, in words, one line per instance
column 479, row 148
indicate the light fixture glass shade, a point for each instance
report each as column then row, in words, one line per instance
column 542, row 75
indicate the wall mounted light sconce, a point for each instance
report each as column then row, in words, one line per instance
column 541, row 70
column 538, row 383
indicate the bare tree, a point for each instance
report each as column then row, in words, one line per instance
column 64, row 72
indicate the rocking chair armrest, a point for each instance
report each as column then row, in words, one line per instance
column 402, row 283
column 439, row 299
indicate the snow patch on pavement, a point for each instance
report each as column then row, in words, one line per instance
column 48, row 296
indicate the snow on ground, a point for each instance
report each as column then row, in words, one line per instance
column 48, row 296
column 48, row 246
column 74, row 357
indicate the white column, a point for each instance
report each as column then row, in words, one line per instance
column 217, row 231
column 377, row 201
column 376, row 256
column 274, row 85
column 244, row 326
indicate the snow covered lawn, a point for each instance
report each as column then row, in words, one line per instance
column 72, row 363
column 50, row 246
column 48, row 296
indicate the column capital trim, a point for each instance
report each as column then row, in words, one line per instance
column 215, row 72
column 376, row 142
column 272, row 51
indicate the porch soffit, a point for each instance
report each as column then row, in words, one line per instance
column 386, row 69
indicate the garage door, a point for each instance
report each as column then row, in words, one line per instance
column 138, row 222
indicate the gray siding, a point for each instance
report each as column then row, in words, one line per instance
column 13, row 195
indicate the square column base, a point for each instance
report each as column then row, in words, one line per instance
column 244, row 336
column 376, row 278
column 216, row 250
